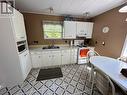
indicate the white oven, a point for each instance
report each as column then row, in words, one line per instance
column 82, row 55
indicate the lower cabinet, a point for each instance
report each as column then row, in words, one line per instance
column 56, row 58
column 65, row 57
column 25, row 63
column 52, row 58
column 36, row 60
column 73, row 56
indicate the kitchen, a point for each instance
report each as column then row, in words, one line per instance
column 29, row 38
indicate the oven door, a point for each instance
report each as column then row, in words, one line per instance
column 82, row 55
column 21, row 46
column 83, row 52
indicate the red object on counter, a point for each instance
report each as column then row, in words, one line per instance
column 83, row 52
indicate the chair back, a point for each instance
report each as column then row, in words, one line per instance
column 91, row 53
column 103, row 83
column 123, row 58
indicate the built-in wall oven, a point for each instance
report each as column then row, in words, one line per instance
column 22, row 46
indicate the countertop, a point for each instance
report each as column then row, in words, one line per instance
column 38, row 48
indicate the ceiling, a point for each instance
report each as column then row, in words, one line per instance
column 68, row 7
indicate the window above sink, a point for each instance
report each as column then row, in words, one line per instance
column 52, row 29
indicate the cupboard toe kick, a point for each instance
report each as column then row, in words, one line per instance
column 53, row 58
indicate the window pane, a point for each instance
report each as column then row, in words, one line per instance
column 52, row 30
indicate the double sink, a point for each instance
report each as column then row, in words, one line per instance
column 51, row 47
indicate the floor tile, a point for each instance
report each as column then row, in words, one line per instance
column 54, row 87
column 80, row 86
column 48, row 92
column 2, row 91
column 19, row 93
column 38, row 85
column 30, row 91
column 48, row 83
column 43, row 89
column 60, row 91
column 64, row 85
column 70, row 89
column 74, row 81
column 14, row 90
column 27, row 87
column 6, row 93
column 58, row 81
column 67, row 80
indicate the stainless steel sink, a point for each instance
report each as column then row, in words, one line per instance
column 51, row 47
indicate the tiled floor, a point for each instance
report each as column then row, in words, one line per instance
column 74, row 82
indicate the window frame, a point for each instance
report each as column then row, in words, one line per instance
column 124, row 49
column 50, row 22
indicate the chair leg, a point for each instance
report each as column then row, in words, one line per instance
column 91, row 73
column 92, row 86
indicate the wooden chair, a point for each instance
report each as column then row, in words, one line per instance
column 103, row 83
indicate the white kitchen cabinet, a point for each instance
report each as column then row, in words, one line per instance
column 81, row 29
column 65, row 59
column 69, row 30
column 89, row 29
column 19, row 27
column 84, row 29
column 56, row 58
column 25, row 63
column 36, row 59
column 73, row 56
column 46, row 58
column 51, row 58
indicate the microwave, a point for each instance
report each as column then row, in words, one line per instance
column 22, row 46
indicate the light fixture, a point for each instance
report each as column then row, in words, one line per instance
column 123, row 9
column 86, row 15
column 51, row 10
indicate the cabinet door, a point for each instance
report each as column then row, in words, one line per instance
column 74, row 56
column 56, row 58
column 28, row 61
column 46, row 58
column 19, row 27
column 69, row 30
column 89, row 29
column 36, row 60
column 81, row 29
column 65, row 57
column 25, row 63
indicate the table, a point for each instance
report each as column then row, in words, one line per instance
column 112, row 68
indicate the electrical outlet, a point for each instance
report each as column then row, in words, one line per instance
column 103, row 43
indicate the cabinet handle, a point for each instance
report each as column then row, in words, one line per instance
column 25, row 55
column 22, row 37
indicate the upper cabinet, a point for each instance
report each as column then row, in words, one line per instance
column 84, row 29
column 69, row 30
column 79, row 29
column 19, row 27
